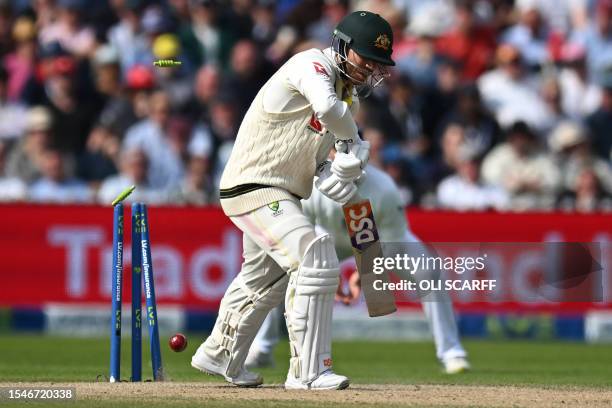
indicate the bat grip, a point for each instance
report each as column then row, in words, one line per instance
column 341, row 146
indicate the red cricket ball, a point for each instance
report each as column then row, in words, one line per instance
column 178, row 342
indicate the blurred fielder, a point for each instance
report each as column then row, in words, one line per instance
column 393, row 228
column 283, row 142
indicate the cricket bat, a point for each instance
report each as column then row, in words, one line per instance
column 363, row 233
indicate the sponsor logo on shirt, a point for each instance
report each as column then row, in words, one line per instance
column 320, row 69
column 315, row 125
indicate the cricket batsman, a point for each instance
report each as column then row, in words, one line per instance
column 282, row 147
column 393, row 228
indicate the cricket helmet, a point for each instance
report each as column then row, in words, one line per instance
column 370, row 36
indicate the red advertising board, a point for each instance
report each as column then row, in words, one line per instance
column 63, row 253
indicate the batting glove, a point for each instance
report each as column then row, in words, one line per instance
column 332, row 186
column 357, row 147
column 346, row 166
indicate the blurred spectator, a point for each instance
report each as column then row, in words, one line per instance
column 99, row 159
column 481, row 131
column 34, row 92
column 150, row 136
column 107, row 75
column 600, row 121
column 511, row 94
column 333, row 12
column 405, row 108
column 12, row 115
column 452, row 140
column 25, row 159
column 597, row 38
column 46, row 12
column 264, row 27
column 550, row 92
column 213, row 31
column 197, row 187
column 124, row 107
column 421, row 64
column 529, row 35
column 68, row 29
column 11, row 188
column 179, row 133
column 409, row 7
column 579, row 97
column 207, row 84
column 247, row 76
column 127, row 36
column 294, row 27
column 284, row 42
column 464, row 191
column 223, row 127
column 6, row 15
column 527, row 174
column 571, row 145
column 377, row 143
column 224, row 119
column 54, row 185
column 396, row 167
column 192, row 51
column 438, row 101
column 134, row 170
column 469, row 42
column 21, row 63
column 561, row 16
column 72, row 117
column 180, row 9
column 586, row 194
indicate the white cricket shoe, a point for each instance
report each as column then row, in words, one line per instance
column 259, row 359
column 206, row 364
column 328, row 380
column 456, row 365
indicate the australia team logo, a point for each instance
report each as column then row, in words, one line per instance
column 382, row 41
column 275, row 207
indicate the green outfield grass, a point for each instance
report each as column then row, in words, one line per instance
column 30, row 358
column 36, row 358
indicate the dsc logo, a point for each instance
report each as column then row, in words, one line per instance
column 360, row 224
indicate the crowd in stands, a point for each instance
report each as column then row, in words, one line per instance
column 493, row 104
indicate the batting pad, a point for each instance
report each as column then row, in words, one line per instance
column 308, row 303
column 236, row 328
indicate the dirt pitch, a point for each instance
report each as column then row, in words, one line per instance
column 358, row 394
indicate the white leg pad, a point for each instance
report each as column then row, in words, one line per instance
column 236, row 327
column 308, row 303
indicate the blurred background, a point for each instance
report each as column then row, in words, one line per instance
column 494, row 105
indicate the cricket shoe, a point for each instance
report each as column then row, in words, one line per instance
column 206, row 364
column 456, row 365
column 328, row 380
column 259, row 359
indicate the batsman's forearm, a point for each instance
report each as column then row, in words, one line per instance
column 338, row 119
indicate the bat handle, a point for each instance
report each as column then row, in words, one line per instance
column 341, row 146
